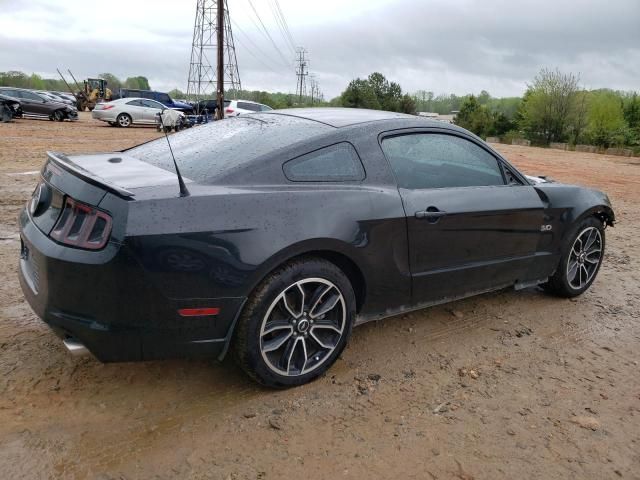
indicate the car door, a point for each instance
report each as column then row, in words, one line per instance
column 33, row 104
column 136, row 109
column 468, row 229
column 151, row 109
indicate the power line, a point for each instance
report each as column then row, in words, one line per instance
column 267, row 32
column 282, row 26
column 286, row 25
column 255, row 47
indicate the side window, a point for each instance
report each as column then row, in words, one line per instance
column 152, row 104
column 254, row 107
column 135, row 103
column 265, row 108
column 337, row 163
column 163, row 98
column 9, row 93
column 434, row 160
column 29, row 96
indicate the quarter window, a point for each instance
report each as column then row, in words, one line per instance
column 337, row 163
column 433, row 160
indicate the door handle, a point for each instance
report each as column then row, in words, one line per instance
column 432, row 214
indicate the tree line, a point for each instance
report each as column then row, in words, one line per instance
column 556, row 108
column 36, row 82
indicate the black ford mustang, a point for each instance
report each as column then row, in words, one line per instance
column 292, row 227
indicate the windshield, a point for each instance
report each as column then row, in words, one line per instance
column 210, row 151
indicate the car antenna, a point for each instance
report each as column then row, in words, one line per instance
column 183, row 188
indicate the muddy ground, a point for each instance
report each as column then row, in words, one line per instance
column 506, row 385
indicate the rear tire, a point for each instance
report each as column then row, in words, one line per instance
column 581, row 259
column 124, row 120
column 295, row 324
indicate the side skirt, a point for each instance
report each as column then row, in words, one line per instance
column 362, row 319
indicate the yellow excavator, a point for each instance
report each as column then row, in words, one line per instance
column 93, row 91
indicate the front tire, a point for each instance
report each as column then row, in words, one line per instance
column 581, row 259
column 295, row 324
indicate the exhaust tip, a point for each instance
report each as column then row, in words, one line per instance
column 75, row 348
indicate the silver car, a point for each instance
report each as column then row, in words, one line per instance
column 125, row 112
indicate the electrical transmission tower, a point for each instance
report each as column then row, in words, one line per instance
column 302, row 71
column 213, row 53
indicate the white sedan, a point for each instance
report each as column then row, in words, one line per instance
column 125, row 112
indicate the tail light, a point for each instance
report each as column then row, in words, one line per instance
column 82, row 226
column 107, row 107
column 229, row 110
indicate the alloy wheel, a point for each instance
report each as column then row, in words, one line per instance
column 584, row 258
column 303, row 326
column 124, row 120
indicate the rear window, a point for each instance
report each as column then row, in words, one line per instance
column 216, row 149
column 254, row 107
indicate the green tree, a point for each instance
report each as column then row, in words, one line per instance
column 632, row 111
column 113, row 82
column 606, row 122
column 360, row 94
column 137, row 83
column 474, row 117
column 548, row 105
column 407, row 104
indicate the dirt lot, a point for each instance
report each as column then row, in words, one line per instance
column 551, row 389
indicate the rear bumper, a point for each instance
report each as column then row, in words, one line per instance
column 104, row 115
column 108, row 303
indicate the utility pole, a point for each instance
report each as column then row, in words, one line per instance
column 302, row 72
column 220, row 69
column 313, row 88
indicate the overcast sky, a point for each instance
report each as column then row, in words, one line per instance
column 458, row 46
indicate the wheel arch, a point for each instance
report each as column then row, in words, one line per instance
column 334, row 251
column 337, row 256
column 604, row 213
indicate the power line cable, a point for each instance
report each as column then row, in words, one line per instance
column 255, row 47
column 286, row 25
column 281, row 26
column 267, row 32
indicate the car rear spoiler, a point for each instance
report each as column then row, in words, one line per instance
column 63, row 161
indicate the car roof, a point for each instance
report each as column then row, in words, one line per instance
column 129, row 99
column 342, row 117
column 244, row 101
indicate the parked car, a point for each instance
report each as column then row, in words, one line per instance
column 210, row 106
column 67, row 96
column 161, row 97
column 233, row 108
column 55, row 97
column 125, row 112
column 35, row 105
column 290, row 228
column 10, row 108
